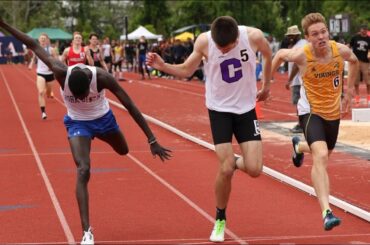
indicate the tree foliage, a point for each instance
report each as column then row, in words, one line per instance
column 164, row 16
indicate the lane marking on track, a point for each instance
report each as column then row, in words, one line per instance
column 169, row 88
column 202, row 95
column 227, row 241
column 49, row 187
column 21, row 71
column 184, row 198
column 347, row 207
column 92, row 152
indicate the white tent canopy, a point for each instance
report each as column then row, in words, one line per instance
column 139, row 32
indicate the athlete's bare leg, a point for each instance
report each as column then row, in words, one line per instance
column 80, row 147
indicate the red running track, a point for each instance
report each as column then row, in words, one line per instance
column 136, row 199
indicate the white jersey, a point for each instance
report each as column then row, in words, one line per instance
column 231, row 77
column 94, row 106
column 297, row 80
column 41, row 67
column 106, row 50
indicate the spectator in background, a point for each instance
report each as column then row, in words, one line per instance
column 284, row 44
column 189, row 46
column 118, row 56
column 166, row 54
column 274, row 46
column 96, row 51
column 295, row 80
column 9, row 55
column 142, row 49
column 129, row 54
column 179, row 52
column 360, row 46
column 107, row 53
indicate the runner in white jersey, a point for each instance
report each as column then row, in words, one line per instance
column 45, row 77
column 97, row 105
column 229, row 54
column 82, row 89
column 228, row 87
column 107, row 53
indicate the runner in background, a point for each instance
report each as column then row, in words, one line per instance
column 45, row 77
column 76, row 53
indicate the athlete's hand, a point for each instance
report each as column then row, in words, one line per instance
column 287, row 85
column 158, row 150
column 346, row 105
column 263, row 94
column 154, row 60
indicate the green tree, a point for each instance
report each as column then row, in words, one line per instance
column 164, row 16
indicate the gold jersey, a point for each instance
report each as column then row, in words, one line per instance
column 322, row 85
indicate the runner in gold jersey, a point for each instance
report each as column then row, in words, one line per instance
column 321, row 63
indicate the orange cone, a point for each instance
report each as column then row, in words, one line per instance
column 258, row 111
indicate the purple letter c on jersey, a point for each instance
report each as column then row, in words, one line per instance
column 225, row 70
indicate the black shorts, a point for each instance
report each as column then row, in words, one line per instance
column 315, row 128
column 48, row 77
column 224, row 125
column 108, row 59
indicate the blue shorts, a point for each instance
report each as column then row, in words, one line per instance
column 91, row 128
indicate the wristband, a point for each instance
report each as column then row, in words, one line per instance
column 152, row 141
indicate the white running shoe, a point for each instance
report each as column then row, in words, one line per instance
column 218, row 232
column 44, row 116
column 88, row 238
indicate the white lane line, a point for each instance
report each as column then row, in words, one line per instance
column 273, row 173
column 355, row 237
column 184, row 198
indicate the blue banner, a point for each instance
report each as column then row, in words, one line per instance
column 11, row 50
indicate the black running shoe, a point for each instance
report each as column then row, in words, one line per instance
column 297, row 157
column 330, row 221
column 297, row 129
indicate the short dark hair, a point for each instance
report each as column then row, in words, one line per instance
column 93, row 34
column 78, row 82
column 224, row 30
column 363, row 26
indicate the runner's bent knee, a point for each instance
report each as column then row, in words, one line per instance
column 255, row 169
column 123, row 150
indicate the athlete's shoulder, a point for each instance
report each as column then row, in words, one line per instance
column 254, row 34
column 345, row 51
column 202, row 40
column 252, row 30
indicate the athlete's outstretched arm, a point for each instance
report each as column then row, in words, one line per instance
column 280, row 56
column 295, row 55
column 54, row 64
column 107, row 81
column 185, row 69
